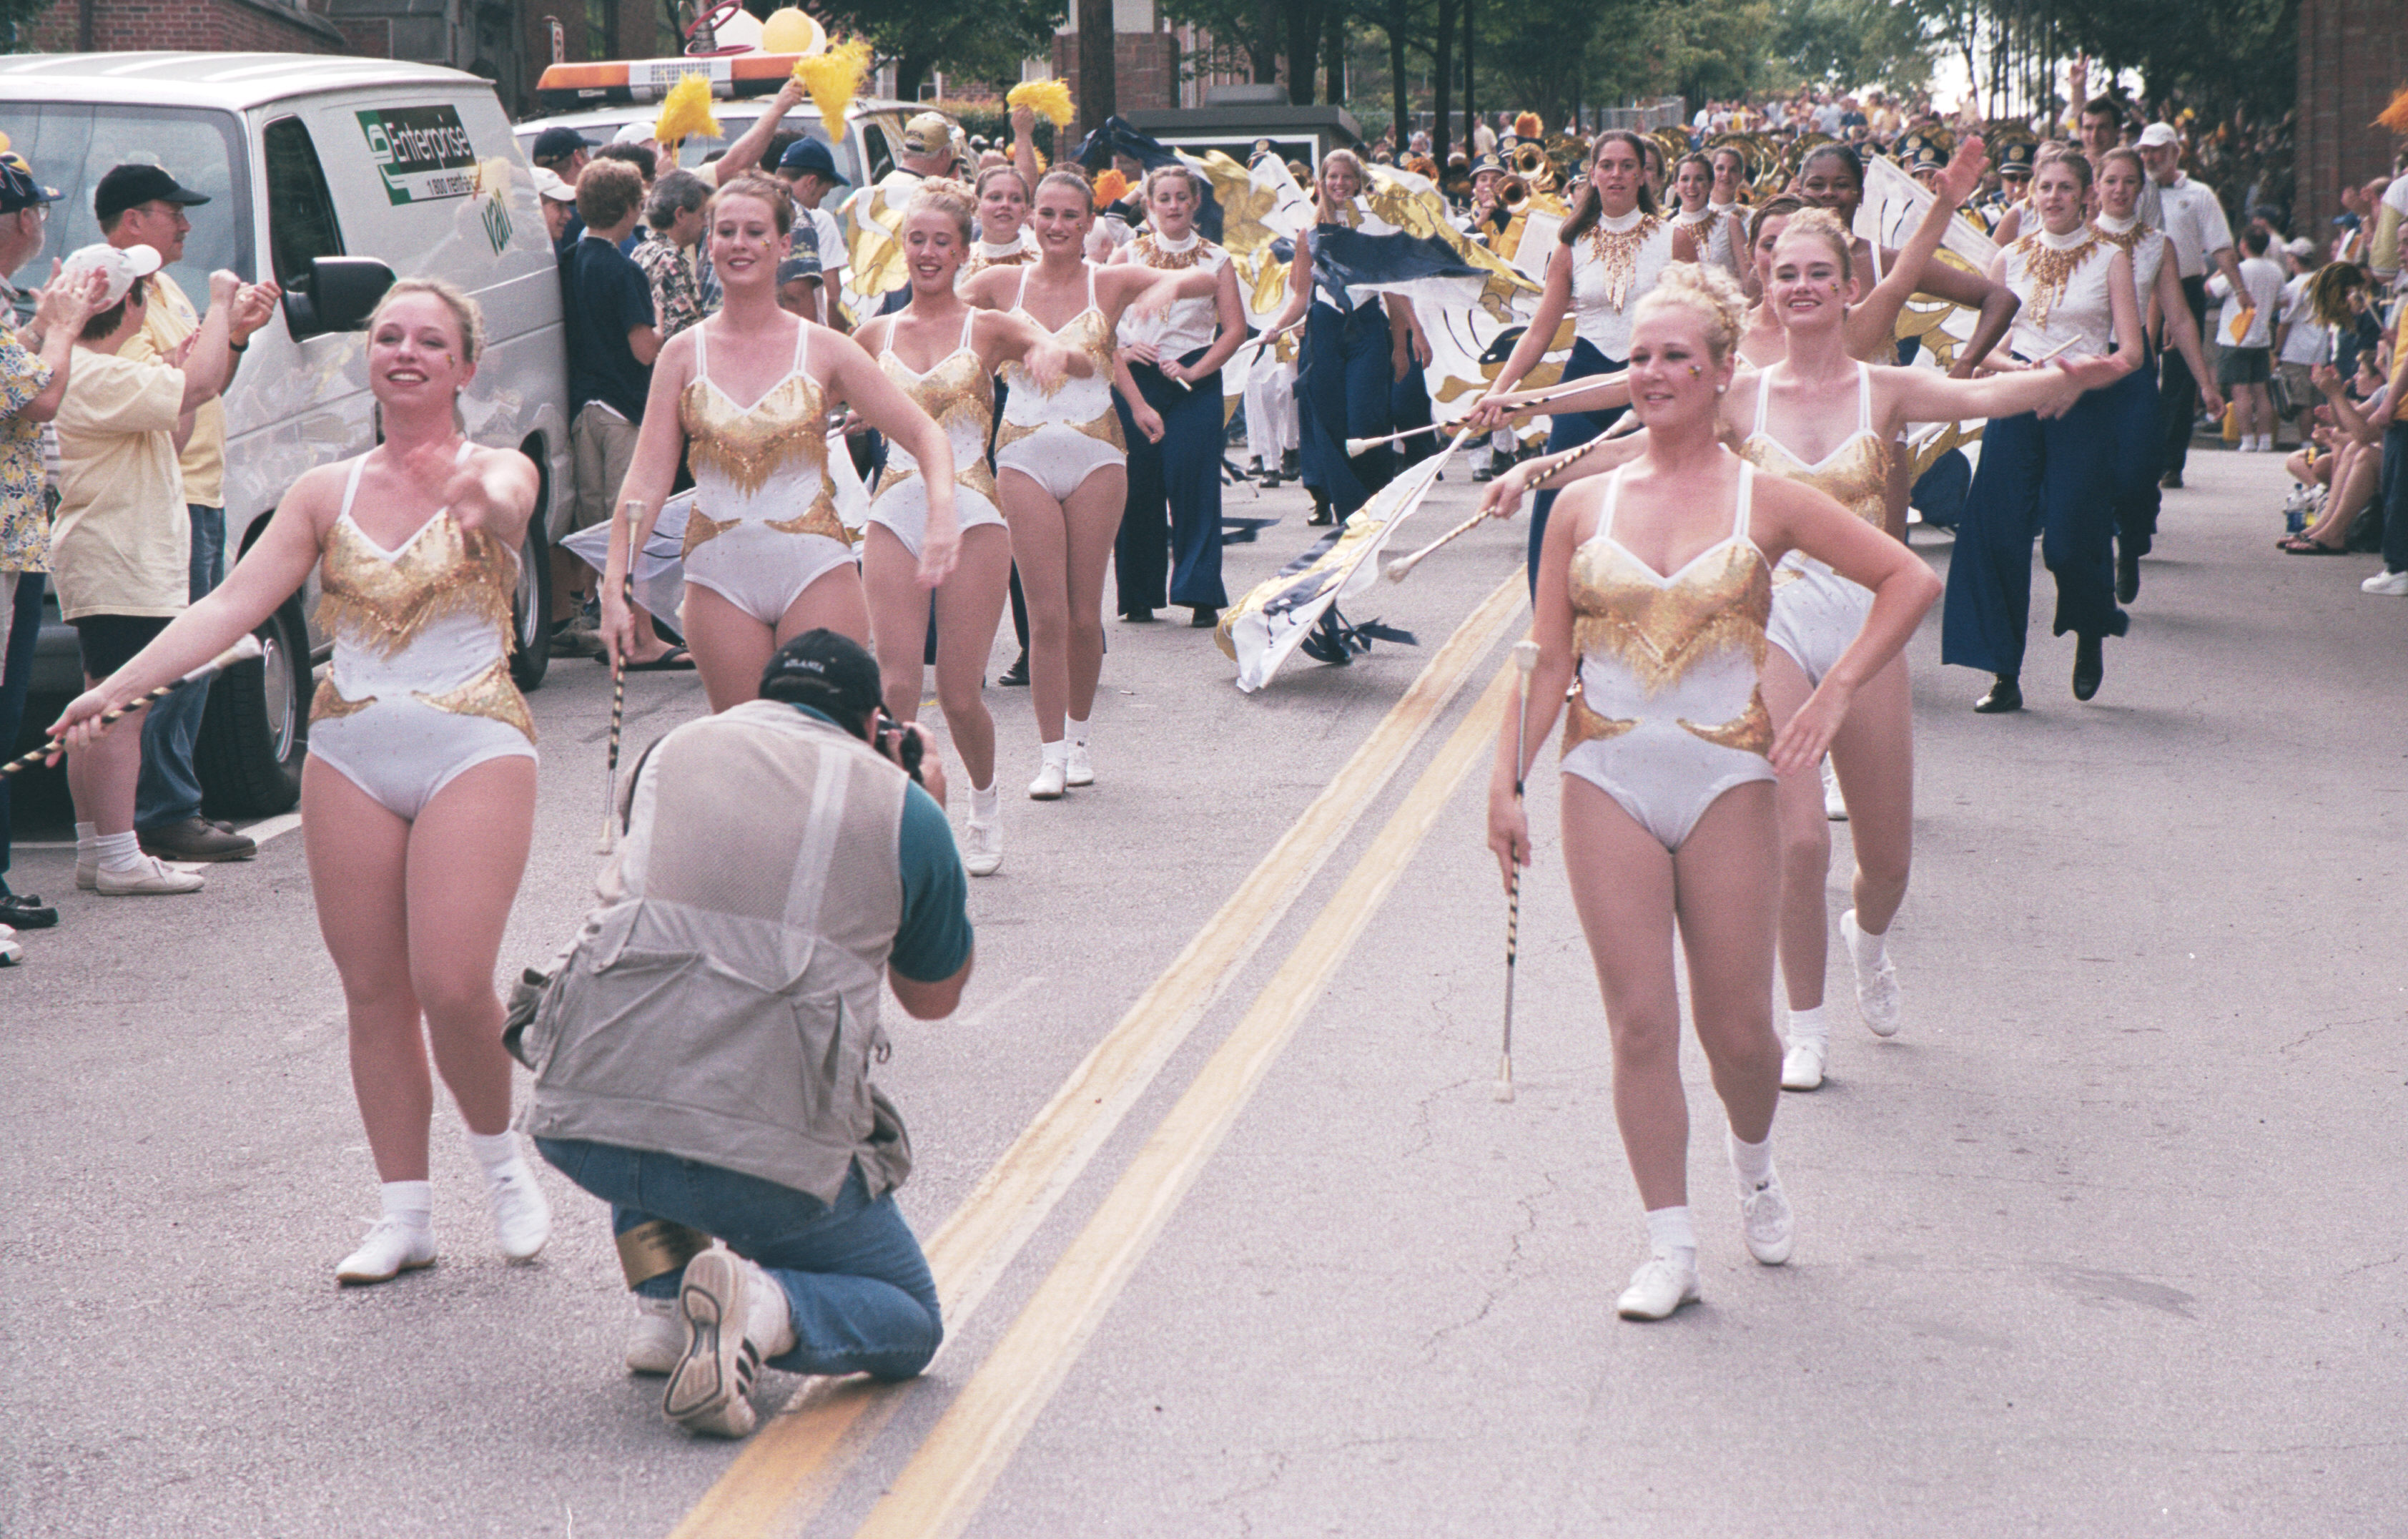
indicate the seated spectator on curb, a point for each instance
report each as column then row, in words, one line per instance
column 702, row 1056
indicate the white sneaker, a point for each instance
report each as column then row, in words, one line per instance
column 1877, row 996
column 152, row 875
column 982, row 847
column 1659, row 1287
column 1801, row 1066
column 522, row 1218
column 1764, row 1218
column 2388, row 584
column 657, row 1338
column 732, row 1312
column 1051, row 777
column 391, row 1247
column 13, row 951
column 1080, row 769
column 1835, row 806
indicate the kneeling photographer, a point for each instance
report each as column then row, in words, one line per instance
column 702, row 1056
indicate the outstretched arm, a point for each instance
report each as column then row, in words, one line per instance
column 1873, row 325
column 751, row 145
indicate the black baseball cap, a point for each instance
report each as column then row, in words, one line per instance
column 130, row 186
column 556, row 143
column 18, row 190
column 827, row 670
column 810, row 156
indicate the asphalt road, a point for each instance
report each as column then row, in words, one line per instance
column 2106, row 1241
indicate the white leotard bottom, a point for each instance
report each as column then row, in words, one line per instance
column 1058, row 459
column 1816, row 615
column 903, row 511
column 763, row 570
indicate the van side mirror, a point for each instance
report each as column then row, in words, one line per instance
column 338, row 294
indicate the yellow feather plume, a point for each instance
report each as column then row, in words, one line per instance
column 2395, row 117
column 1111, row 188
column 686, row 112
column 832, row 79
column 1048, row 98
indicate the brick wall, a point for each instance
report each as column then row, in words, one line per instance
column 218, row 26
column 1145, row 72
column 2352, row 55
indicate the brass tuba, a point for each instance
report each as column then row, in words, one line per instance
column 1515, row 194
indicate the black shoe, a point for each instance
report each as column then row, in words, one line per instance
column 1269, row 480
column 1486, row 472
column 2089, row 666
column 1323, row 513
column 2006, row 694
column 2171, row 480
column 2127, row 577
column 1138, row 616
column 1291, row 466
column 1205, row 617
column 1016, row 676
column 24, row 910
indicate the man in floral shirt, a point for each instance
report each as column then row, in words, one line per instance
column 674, row 212
column 33, row 377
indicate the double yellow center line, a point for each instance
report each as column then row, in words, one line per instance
column 790, row 1468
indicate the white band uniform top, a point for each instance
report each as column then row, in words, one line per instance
column 1188, row 324
column 419, row 689
column 764, row 525
column 2145, row 246
column 1816, row 612
column 2063, row 280
column 957, row 392
column 1614, row 265
column 1058, row 440
column 1666, row 715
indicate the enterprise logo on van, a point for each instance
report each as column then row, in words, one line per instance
column 423, row 152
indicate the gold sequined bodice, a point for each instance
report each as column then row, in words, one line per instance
column 1854, row 475
column 746, row 445
column 380, row 601
column 1660, row 627
column 1084, row 404
column 959, row 394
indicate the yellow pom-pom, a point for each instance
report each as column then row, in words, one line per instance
column 833, row 78
column 1111, row 188
column 790, row 31
column 2395, row 117
column 1049, row 99
column 685, row 111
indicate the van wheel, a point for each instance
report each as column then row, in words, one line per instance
column 531, row 609
column 257, row 727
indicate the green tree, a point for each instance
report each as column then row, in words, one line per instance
column 1848, row 44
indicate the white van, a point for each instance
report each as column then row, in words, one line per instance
column 333, row 175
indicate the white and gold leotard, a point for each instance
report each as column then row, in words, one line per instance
column 1059, row 439
column 419, row 689
column 764, row 525
column 1666, row 715
column 957, row 391
column 1815, row 611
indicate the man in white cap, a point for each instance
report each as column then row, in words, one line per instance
column 121, row 552
column 875, row 214
column 2202, row 238
column 558, row 201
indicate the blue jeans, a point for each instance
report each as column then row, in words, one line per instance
column 20, row 632
column 169, row 791
column 858, row 1287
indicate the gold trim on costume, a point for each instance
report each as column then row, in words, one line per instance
column 750, row 444
column 1659, row 629
column 491, row 694
column 381, row 602
column 700, row 526
column 1581, row 724
column 2049, row 270
column 818, row 519
column 1617, row 253
column 328, row 704
column 1150, row 253
column 1856, row 477
column 1750, row 731
column 958, row 390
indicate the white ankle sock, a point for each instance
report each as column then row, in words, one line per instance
column 1669, row 1229
column 495, row 1152
column 119, row 853
column 413, row 1202
column 769, row 1315
column 87, row 835
column 1808, row 1025
column 1869, row 949
column 1752, row 1161
column 986, row 803
column 1056, row 752
column 1077, row 730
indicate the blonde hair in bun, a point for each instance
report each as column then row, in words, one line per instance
column 955, row 200
column 1709, row 291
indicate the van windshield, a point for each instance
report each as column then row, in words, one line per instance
column 72, row 145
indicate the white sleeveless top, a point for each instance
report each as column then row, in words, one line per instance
column 2146, row 247
column 2063, row 280
column 1614, row 265
column 1186, row 325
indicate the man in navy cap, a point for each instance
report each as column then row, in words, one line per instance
column 141, row 204
column 810, row 171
